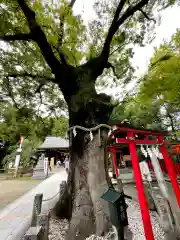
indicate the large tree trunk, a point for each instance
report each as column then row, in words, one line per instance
column 89, row 212
column 88, row 176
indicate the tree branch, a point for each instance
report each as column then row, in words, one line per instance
column 164, row 58
column 118, row 21
column 40, row 37
column 109, row 65
column 17, row 37
column 61, row 28
column 15, row 75
column 146, row 16
column 72, row 3
column 113, row 28
column 11, row 95
column 38, row 90
column 118, row 48
column 63, row 58
column 24, row 74
column 170, row 118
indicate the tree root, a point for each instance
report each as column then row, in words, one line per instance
column 63, row 208
column 82, row 223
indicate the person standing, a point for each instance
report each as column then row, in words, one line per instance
column 58, row 163
column 52, row 162
column 46, row 166
column 49, row 161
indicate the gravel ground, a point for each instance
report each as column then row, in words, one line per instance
column 136, row 225
column 58, row 228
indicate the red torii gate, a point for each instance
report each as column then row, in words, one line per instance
column 130, row 137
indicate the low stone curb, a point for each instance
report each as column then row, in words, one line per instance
column 16, row 227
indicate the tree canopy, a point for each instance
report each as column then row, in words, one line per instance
column 37, row 35
column 162, row 80
column 15, row 123
column 156, row 104
column 27, row 64
column 139, row 114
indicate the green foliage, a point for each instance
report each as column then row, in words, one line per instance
column 60, row 127
column 15, row 123
column 80, row 43
column 28, row 150
column 23, row 68
column 163, row 79
column 161, row 85
column 138, row 114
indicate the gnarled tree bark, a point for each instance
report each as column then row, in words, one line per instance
column 89, row 212
column 89, row 175
column 88, row 179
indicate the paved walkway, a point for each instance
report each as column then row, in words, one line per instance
column 16, row 217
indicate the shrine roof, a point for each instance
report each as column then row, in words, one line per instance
column 52, row 142
column 124, row 127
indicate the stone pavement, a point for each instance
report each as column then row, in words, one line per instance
column 16, row 217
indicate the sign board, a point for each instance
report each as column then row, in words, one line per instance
column 123, row 212
column 46, row 163
column 17, row 161
column 126, row 158
column 19, row 150
column 117, row 207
